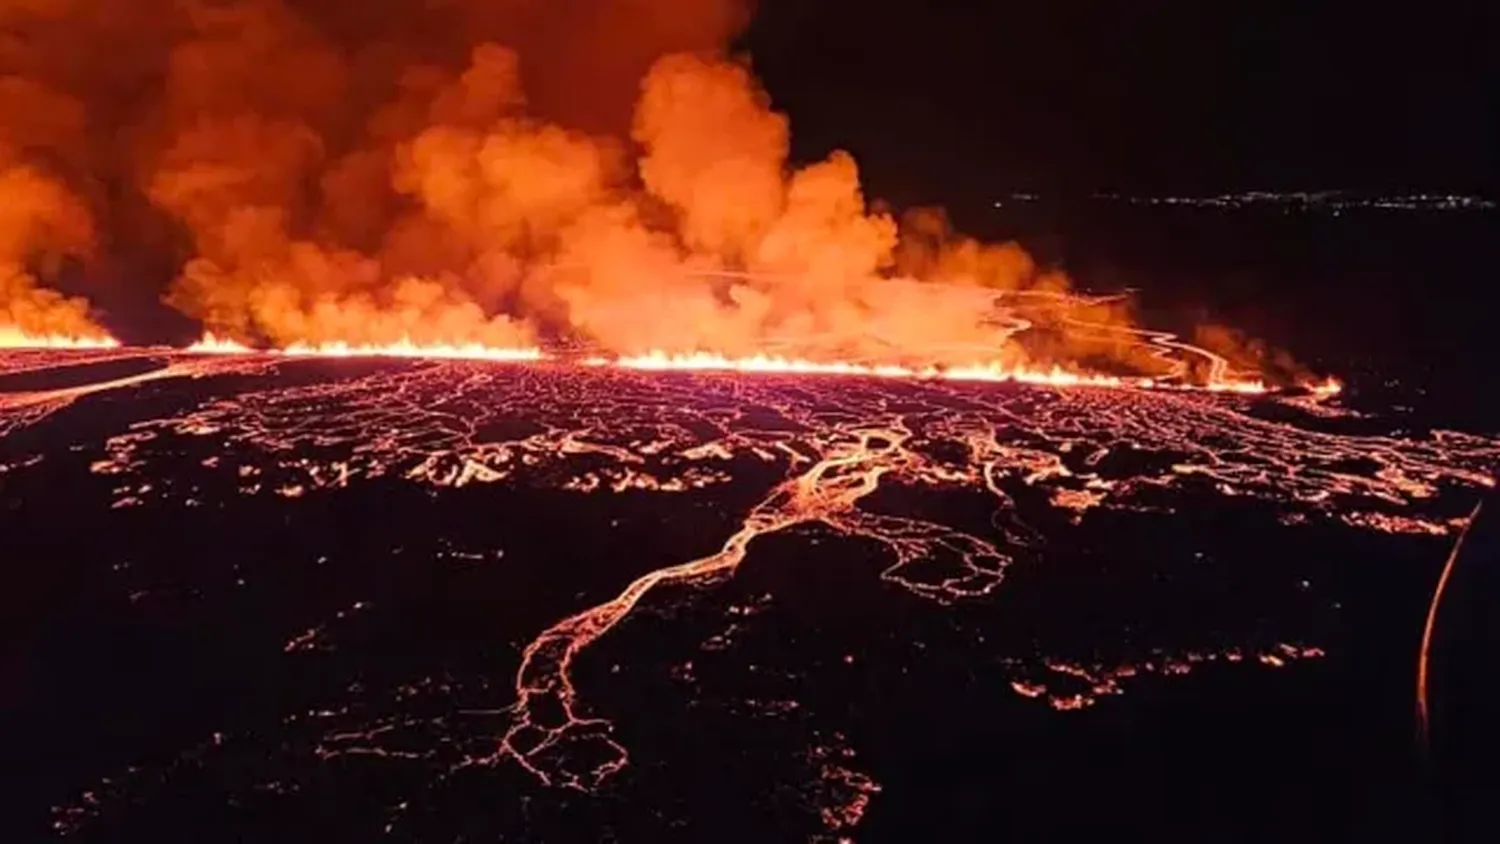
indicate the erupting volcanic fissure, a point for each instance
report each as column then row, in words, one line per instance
column 661, row 361
column 14, row 338
column 583, row 277
column 333, row 187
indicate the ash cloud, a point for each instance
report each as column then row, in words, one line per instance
column 493, row 171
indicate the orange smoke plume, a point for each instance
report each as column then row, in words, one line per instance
column 327, row 176
column 41, row 223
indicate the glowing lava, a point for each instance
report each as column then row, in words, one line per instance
column 15, row 338
column 658, row 360
column 805, row 461
column 705, row 361
column 1053, row 376
column 405, row 348
column 212, row 344
column 768, row 364
column 1326, row 387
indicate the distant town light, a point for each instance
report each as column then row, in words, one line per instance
column 1332, row 201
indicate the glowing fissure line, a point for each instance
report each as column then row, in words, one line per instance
column 546, row 665
column 1220, row 379
column 822, row 494
column 404, row 348
column 68, row 394
column 14, row 338
column 28, row 408
column 767, row 364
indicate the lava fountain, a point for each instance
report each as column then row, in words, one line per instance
column 15, row 338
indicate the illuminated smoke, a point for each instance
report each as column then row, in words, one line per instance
column 1248, row 354
column 486, row 172
column 42, row 221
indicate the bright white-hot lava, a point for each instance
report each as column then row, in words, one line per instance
column 409, row 349
column 212, row 344
column 709, row 362
column 15, row 338
column 461, row 224
column 405, row 348
column 658, row 360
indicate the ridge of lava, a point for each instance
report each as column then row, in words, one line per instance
column 697, row 361
column 15, row 338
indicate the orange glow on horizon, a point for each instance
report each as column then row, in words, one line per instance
column 1326, row 387
column 406, row 348
column 710, row 362
column 211, row 344
column 1054, row 376
column 662, row 361
column 15, row 338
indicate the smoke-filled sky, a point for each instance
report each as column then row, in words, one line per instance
column 470, row 171
column 501, row 171
column 281, row 168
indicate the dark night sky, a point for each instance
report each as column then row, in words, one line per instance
column 948, row 99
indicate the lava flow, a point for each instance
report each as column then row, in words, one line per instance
column 701, row 361
column 404, row 348
column 15, row 338
column 659, row 360
column 830, row 452
column 662, row 361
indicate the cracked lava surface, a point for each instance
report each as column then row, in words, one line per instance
column 949, row 490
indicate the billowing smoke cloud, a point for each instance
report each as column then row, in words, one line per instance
column 489, row 171
column 42, row 221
